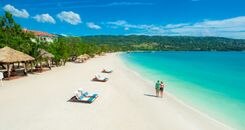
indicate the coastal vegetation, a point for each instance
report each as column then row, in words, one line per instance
column 12, row 35
column 165, row 43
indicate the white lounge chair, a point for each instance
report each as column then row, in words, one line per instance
column 100, row 78
column 106, row 70
column 1, row 78
column 86, row 94
column 81, row 98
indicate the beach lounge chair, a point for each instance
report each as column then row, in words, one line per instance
column 86, row 94
column 100, row 78
column 1, row 78
column 84, row 99
column 106, row 70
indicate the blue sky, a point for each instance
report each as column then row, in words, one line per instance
column 224, row 18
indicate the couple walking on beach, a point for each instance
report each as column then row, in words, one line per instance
column 159, row 86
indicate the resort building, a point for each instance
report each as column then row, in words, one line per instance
column 42, row 36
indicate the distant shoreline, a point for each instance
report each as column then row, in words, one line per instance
column 177, row 51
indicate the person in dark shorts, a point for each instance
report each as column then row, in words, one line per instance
column 161, row 89
column 157, row 87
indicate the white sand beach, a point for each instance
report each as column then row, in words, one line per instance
column 40, row 102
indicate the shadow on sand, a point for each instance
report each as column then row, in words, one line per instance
column 150, row 95
column 74, row 100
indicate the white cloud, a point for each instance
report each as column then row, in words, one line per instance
column 64, row 35
column 44, row 18
column 16, row 12
column 176, row 25
column 226, row 23
column 69, row 17
column 118, row 23
column 113, row 4
column 126, row 29
column 127, row 4
column 232, row 28
column 150, row 29
column 93, row 25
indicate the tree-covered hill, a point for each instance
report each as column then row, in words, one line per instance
column 142, row 42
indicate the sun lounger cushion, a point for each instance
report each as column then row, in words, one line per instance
column 100, row 78
column 107, row 70
column 77, row 94
column 90, row 95
column 80, row 90
column 86, row 99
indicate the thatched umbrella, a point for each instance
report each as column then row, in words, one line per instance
column 84, row 56
column 102, row 54
column 46, row 55
column 87, row 56
column 9, row 56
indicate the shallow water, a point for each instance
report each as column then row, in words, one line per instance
column 213, row 82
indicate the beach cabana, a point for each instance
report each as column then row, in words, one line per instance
column 9, row 56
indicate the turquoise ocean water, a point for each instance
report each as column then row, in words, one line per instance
column 212, row 82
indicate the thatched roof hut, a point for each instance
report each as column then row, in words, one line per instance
column 44, row 54
column 9, row 55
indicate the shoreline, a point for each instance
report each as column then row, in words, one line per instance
column 192, row 108
column 41, row 101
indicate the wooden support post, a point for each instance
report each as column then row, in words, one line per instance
column 31, row 67
column 25, row 69
column 48, row 63
column 13, row 67
column 8, row 70
column 3, row 66
column 41, row 65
